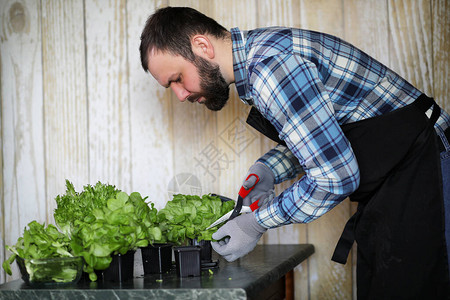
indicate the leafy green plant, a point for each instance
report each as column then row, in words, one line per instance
column 78, row 207
column 40, row 242
column 103, row 221
column 188, row 216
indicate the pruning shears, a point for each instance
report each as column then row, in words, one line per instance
column 238, row 208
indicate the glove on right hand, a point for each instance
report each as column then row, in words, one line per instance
column 264, row 189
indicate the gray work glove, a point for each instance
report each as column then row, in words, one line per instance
column 237, row 237
column 264, row 189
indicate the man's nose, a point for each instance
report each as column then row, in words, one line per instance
column 180, row 92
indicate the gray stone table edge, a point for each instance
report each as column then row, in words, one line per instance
column 245, row 277
column 277, row 272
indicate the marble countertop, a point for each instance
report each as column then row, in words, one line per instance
column 243, row 278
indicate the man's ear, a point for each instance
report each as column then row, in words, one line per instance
column 202, row 46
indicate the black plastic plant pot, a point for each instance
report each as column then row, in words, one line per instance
column 206, row 249
column 121, row 267
column 157, row 258
column 187, row 260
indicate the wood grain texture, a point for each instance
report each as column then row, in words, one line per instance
column 151, row 121
column 65, row 98
column 441, row 52
column 278, row 13
column 23, row 179
column 411, row 44
column 108, row 93
column 366, row 27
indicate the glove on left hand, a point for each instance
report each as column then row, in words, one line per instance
column 243, row 232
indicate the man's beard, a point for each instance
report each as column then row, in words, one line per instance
column 213, row 86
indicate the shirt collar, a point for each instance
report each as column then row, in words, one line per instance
column 239, row 39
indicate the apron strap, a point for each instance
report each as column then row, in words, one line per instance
column 423, row 103
column 261, row 124
column 345, row 243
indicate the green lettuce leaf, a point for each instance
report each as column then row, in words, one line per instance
column 188, row 216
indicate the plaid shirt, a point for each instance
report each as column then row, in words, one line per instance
column 307, row 84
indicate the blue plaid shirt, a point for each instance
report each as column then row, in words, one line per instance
column 307, row 84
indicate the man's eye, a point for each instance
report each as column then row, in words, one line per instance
column 178, row 80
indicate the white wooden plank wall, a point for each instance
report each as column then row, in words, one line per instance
column 107, row 92
column 151, row 142
column 65, row 99
column 24, row 176
column 75, row 104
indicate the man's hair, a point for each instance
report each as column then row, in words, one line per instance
column 170, row 30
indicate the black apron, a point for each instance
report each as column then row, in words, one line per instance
column 399, row 223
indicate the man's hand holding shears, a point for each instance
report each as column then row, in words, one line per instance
column 241, row 233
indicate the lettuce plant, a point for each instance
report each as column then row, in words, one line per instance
column 103, row 221
column 40, row 242
column 188, row 216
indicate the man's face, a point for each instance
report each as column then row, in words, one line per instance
column 200, row 81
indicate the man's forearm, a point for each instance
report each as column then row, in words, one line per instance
column 282, row 162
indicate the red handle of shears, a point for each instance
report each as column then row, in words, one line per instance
column 241, row 195
column 243, row 192
column 254, row 205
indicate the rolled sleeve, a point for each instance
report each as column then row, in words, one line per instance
column 282, row 162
